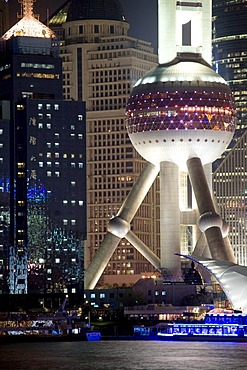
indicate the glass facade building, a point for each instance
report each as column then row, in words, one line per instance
column 230, row 61
column 230, row 52
column 42, row 167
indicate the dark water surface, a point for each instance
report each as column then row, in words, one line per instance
column 124, row 355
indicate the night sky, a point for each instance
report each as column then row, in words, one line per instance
column 141, row 14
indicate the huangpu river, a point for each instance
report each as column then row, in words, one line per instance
column 124, row 355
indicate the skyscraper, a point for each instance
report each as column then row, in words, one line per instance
column 230, row 61
column 230, row 52
column 43, row 166
column 230, row 185
column 101, row 63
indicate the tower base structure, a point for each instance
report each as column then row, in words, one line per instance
column 210, row 223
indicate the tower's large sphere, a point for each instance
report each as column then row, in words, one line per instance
column 181, row 110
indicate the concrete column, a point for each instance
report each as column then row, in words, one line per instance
column 138, row 192
column 169, row 219
column 166, row 30
column 119, row 226
column 100, row 260
column 210, row 222
column 143, row 249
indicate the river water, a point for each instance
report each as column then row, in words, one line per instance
column 124, row 355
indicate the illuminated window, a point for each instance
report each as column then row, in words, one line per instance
column 80, row 136
column 48, row 155
column 48, row 106
column 48, row 145
column 40, row 125
column 65, row 201
column 40, row 106
column 57, row 173
column 48, row 173
column 72, row 165
column 92, row 295
column 56, row 106
column 80, row 117
column 57, row 260
column 72, row 127
column 73, row 290
column 80, row 202
column 73, row 222
column 80, row 165
column 72, row 183
column 65, row 222
column 56, row 155
column 48, row 126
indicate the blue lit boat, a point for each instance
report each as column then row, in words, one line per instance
column 215, row 327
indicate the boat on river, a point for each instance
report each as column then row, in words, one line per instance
column 217, row 326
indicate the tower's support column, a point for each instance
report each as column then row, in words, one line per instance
column 169, row 219
column 167, row 30
column 119, row 226
column 143, row 249
column 210, row 222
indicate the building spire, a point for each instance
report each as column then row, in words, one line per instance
column 27, row 6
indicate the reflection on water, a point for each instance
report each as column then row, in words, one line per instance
column 124, row 355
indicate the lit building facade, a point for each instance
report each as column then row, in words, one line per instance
column 230, row 52
column 101, row 63
column 230, row 185
column 43, row 166
column 230, row 61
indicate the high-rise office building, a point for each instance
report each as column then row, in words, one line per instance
column 101, row 63
column 230, row 185
column 230, row 61
column 230, row 52
column 42, row 166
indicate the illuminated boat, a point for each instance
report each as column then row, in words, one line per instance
column 216, row 326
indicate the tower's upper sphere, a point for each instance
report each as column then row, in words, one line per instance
column 95, row 9
column 181, row 110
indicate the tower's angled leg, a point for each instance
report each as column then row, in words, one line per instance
column 210, row 222
column 119, row 226
column 143, row 249
column 201, row 247
column 100, row 260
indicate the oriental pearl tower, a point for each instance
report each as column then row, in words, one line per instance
column 180, row 117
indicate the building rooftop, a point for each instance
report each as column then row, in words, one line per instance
column 28, row 26
column 95, row 9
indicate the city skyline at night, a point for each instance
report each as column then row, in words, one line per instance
column 101, row 68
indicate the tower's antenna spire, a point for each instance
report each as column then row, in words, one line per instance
column 27, row 7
